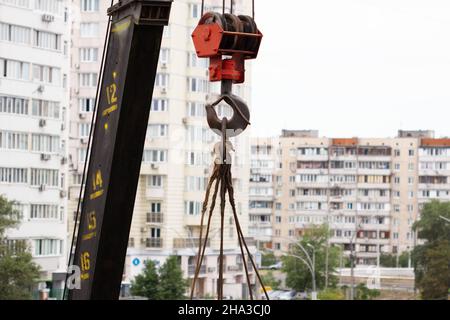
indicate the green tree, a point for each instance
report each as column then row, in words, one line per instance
column 270, row 281
column 298, row 276
column 390, row 260
column 364, row 293
column 331, row 294
column 172, row 284
column 268, row 259
column 18, row 273
column 147, row 283
column 431, row 260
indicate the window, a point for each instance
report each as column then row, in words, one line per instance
column 13, row 140
column 410, row 180
column 47, row 40
column 411, row 152
column 192, row 207
column 155, row 233
column 13, row 175
column 45, row 143
column 89, row 30
column 196, row 109
column 51, row 6
column 45, row 109
column 195, row 62
column 86, row 104
column 154, row 156
column 155, row 181
column 44, row 211
column 155, row 207
column 197, row 85
column 82, row 155
column 195, row 10
column 162, row 80
column 88, row 79
column 47, row 247
column 195, row 183
column 48, row 177
column 157, row 130
column 164, row 55
column 13, row 105
column 197, row 158
column 397, row 153
column 83, row 130
column 88, row 54
column 14, row 69
column 15, row 34
column 46, row 74
column 17, row 3
column 159, row 105
column 90, row 5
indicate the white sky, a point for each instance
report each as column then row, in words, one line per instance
column 352, row 67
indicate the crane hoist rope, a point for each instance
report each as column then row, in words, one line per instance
column 227, row 40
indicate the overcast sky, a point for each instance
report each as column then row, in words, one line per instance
column 352, row 67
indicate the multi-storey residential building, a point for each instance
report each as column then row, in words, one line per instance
column 34, row 69
column 264, row 161
column 177, row 159
column 366, row 189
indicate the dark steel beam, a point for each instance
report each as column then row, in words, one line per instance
column 117, row 146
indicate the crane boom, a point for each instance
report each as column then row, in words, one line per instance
column 118, row 141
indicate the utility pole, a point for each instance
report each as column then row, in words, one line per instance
column 314, row 293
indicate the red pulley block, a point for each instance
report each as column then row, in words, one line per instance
column 220, row 35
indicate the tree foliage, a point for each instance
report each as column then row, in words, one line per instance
column 390, row 260
column 172, row 284
column 298, row 275
column 268, row 259
column 168, row 284
column 18, row 273
column 269, row 280
column 147, row 283
column 431, row 260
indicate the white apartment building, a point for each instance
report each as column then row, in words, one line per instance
column 177, row 159
column 34, row 70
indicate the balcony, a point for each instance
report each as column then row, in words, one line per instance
column 154, row 217
column 188, row 243
column 153, row 243
column 236, row 268
column 194, row 220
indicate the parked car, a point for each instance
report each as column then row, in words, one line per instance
column 287, row 295
column 276, row 266
column 273, row 295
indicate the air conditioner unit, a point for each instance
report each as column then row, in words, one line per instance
column 42, row 123
column 84, row 140
column 62, row 193
column 154, row 166
column 164, row 90
column 63, row 160
column 48, row 18
column 45, row 156
column 142, row 240
column 143, row 229
column 63, row 127
column 76, row 91
column 82, row 115
column 42, row 187
column 77, row 66
column 163, row 65
column 40, row 89
column 185, row 120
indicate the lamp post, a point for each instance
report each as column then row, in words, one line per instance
column 314, row 293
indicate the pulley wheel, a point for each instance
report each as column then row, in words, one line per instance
column 234, row 24
column 249, row 43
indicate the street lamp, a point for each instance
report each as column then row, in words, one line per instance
column 314, row 293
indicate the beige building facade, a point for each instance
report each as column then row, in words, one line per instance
column 369, row 191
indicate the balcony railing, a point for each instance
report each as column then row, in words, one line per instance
column 154, row 217
column 154, row 242
column 182, row 243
